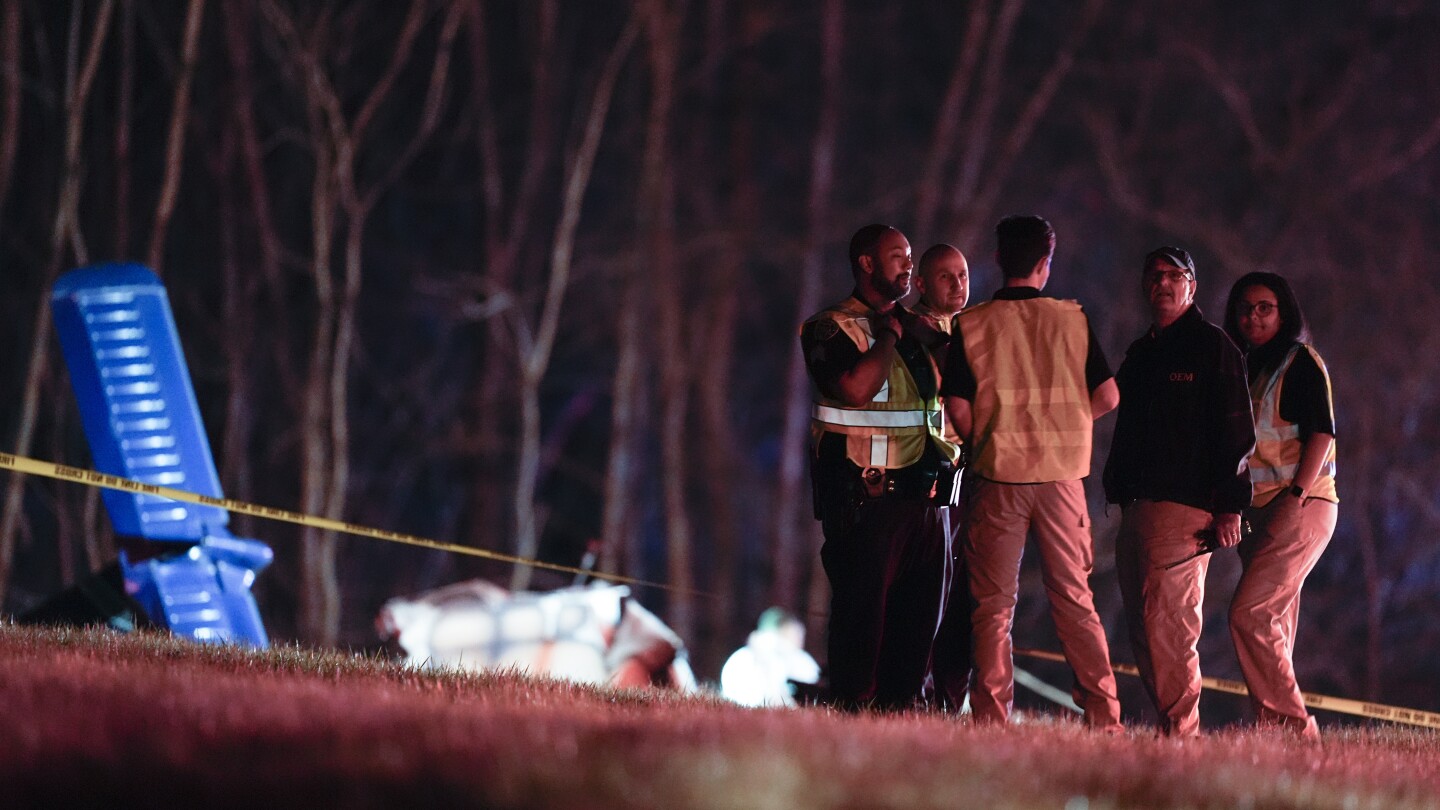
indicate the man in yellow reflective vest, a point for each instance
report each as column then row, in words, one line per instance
column 881, row 472
column 1024, row 380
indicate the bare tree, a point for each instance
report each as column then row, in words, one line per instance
column 795, row 532
column 79, row 79
column 976, row 140
column 10, row 21
column 124, row 121
column 656, row 231
column 175, row 138
column 510, row 213
column 338, row 143
column 536, row 347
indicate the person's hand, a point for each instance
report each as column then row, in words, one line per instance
column 1227, row 529
column 886, row 322
column 923, row 329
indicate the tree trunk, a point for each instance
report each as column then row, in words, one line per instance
column 65, row 228
column 618, row 525
column 730, row 110
column 536, row 359
column 175, row 140
column 10, row 53
column 506, row 228
column 950, row 116
column 656, row 227
column 794, row 529
column 124, row 107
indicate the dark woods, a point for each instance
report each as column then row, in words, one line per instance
column 519, row 275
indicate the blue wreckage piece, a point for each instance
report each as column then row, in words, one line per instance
column 142, row 422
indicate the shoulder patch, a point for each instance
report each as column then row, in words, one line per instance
column 825, row 328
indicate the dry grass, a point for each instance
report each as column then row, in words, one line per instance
column 92, row 718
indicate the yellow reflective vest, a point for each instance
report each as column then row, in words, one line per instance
column 1277, row 442
column 889, row 431
column 1032, row 420
column 943, row 323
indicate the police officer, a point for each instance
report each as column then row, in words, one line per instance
column 877, row 454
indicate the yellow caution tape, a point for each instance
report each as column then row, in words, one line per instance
column 1378, row 711
column 98, row 479
column 61, row 472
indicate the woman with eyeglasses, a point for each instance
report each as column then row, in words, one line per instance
column 1294, row 502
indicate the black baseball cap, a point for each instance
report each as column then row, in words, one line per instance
column 1178, row 257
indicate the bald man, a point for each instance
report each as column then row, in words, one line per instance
column 944, row 284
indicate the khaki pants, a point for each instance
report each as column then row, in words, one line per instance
column 1289, row 539
column 1163, row 605
column 1000, row 516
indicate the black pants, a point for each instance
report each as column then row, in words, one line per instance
column 886, row 561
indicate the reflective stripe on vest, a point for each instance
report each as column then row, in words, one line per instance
column 892, row 429
column 1277, row 443
column 845, row 417
column 1032, row 406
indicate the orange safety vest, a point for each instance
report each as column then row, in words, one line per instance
column 1032, row 420
column 889, row 431
column 1277, row 442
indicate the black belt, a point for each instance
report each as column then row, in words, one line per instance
column 914, row 481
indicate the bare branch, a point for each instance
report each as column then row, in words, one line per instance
column 414, row 21
column 1035, row 108
column 975, row 144
column 430, row 112
column 65, row 222
column 10, row 82
column 175, row 140
column 1235, row 98
column 947, row 122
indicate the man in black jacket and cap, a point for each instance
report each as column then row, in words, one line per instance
column 1179, row 469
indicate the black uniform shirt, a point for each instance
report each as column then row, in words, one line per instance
column 1305, row 396
column 1184, row 431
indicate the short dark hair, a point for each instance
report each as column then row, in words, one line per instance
column 1021, row 241
column 1292, row 320
column 865, row 241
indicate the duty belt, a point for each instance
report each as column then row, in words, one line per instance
column 914, row 481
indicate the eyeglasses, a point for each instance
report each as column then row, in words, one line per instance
column 1174, row 276
column 1263, row 309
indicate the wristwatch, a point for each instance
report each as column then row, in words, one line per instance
column 1297, row 491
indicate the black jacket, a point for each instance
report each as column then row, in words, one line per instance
column 1185, row 430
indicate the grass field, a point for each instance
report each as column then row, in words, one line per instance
column 90, row 718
